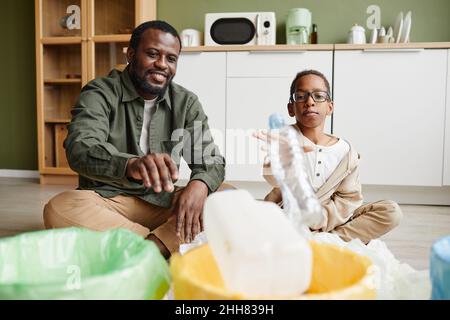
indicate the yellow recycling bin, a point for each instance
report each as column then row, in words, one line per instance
column 338, row 273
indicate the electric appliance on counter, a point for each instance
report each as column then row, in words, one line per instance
column 240, row 28
column 298, row 26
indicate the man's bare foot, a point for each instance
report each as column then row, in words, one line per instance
column 162, row 248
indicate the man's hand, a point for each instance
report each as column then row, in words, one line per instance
column 189, row 210
column 155, row 170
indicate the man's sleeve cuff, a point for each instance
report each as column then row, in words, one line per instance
column 119, row 163
column 212, row 184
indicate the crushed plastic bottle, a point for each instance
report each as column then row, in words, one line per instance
column 289, row 169
column 258, row 251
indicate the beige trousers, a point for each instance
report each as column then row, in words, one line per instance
column 88, row 209
column 370, row 221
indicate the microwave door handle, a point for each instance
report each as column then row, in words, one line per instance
column 258, row 25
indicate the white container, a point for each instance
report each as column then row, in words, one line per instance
column 356, row 35
column 374, row 36
column 258, row 251
column 191, row 38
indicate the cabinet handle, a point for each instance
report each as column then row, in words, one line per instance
column 395, row 50
column 192, row 52
column 275, row 51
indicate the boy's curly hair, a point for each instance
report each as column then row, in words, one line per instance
column 305, row 73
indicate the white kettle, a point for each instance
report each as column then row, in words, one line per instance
column 356, row 35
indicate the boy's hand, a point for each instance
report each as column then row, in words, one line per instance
column 274, row 196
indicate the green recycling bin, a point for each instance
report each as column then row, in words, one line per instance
column 76, row 263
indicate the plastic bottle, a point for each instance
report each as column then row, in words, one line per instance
column 289, row 169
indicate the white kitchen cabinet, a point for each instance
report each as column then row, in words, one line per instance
column 250, row 102
column 204, row 73
column 446, row 178
column 258, row 84
column 391, row 106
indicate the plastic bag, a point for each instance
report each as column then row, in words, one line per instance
column 198, row 241
column 78, row 263
column 393, row 280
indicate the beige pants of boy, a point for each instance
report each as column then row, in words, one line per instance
column 370, row 221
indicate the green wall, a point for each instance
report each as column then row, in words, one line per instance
column 18, row 145
column 430, row 18
column 18, row 138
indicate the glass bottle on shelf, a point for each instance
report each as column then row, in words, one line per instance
column 314, row 37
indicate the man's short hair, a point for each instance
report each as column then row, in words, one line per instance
column 306, row 73
column 154, row 24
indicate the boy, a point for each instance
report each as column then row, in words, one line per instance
column 333, row 167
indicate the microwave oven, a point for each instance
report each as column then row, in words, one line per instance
column 240, row 28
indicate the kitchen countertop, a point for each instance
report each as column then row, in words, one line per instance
column 384, row 46
column 323, row 47
column 278, row 47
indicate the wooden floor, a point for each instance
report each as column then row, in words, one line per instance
column 22, row 200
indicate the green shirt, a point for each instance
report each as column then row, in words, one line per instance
column 106, row 127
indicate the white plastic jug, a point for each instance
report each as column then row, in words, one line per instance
column 257, row 249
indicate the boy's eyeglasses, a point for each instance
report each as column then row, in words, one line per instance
column 318, row 96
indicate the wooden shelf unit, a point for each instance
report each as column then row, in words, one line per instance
column 62, row 81
column 57, row 120
column 53, row 11
column 67, row 59
column 61, row 40
column 109, row 55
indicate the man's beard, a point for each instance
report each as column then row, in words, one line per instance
column 142, row 85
